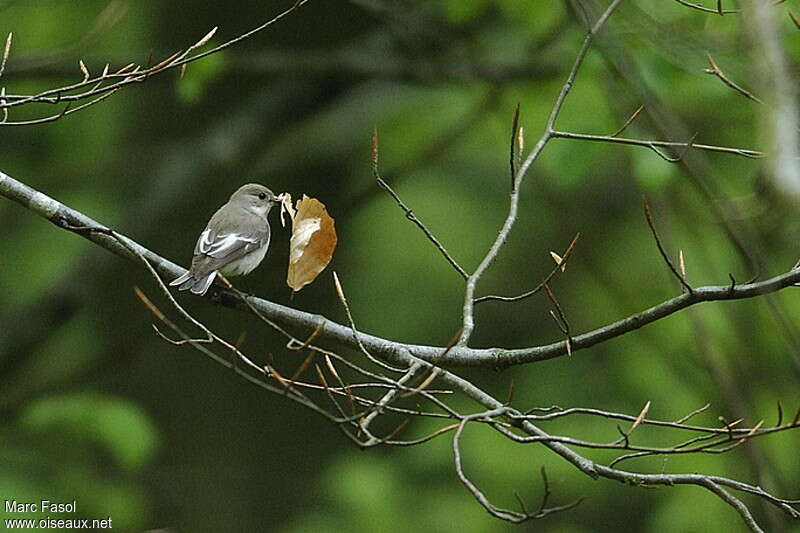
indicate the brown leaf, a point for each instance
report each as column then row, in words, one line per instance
column 312, row 243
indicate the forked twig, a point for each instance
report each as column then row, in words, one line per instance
column 468, row 319
column 92, row 87
column 561, row 265
column 504, row 514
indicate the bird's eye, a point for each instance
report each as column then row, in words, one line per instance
column 262, row 195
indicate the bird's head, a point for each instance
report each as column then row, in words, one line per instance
column 254, row 197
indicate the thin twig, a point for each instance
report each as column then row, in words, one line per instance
column 468, row 320
column 559, row 267
column 387, row 398
column 498, row 512
column 560, row 318
column 342, row 298
column 66, row 218
column 718, row 10
column 408, row 212
column 177, row 60
column 6, row 52
column 795, row 20
column 652, row 145
column 512, row 156
column 716, row 71
column 628, row 122
column 68, row 110
column 650, row 222
column 397, row 353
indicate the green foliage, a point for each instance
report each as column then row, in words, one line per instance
column 118, row 426
column 84, row 447
column 460, row 12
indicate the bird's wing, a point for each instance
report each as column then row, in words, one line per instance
column 223, row 245
column 214, row 250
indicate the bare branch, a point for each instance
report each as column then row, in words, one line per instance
column 716, row 71
column 468, row 319
column 795, row 20
column 389, row 396
column 560, row 318
column 652, row 145
column 68, row 110
column 559, row 266
column 66, row 218
column 6, row 53
column 595, row 470
column 405, row 355
column 628, row 122
column 92, row 88
column 650, row 222
column 718, row 10
column 408, row 212
column 343, row 299
column 504, row 514
column 737, row 504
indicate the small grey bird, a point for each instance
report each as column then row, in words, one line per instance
column 235, row 240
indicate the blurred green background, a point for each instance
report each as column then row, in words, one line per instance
column 95, row 408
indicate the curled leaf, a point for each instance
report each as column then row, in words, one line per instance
column 312, row 243
column 286, row 207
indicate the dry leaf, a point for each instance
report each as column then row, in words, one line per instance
column 286, row 207
column 312, row 243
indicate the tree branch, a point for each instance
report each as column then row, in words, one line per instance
column 468, row 320
column 70, row 219
column 92, row 88
column 716, row 71
column 397, row 353
column 408, row 211
column 654, row 145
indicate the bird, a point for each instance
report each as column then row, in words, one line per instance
column 235, row 240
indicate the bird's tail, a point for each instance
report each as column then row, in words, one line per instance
column 196, row 285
